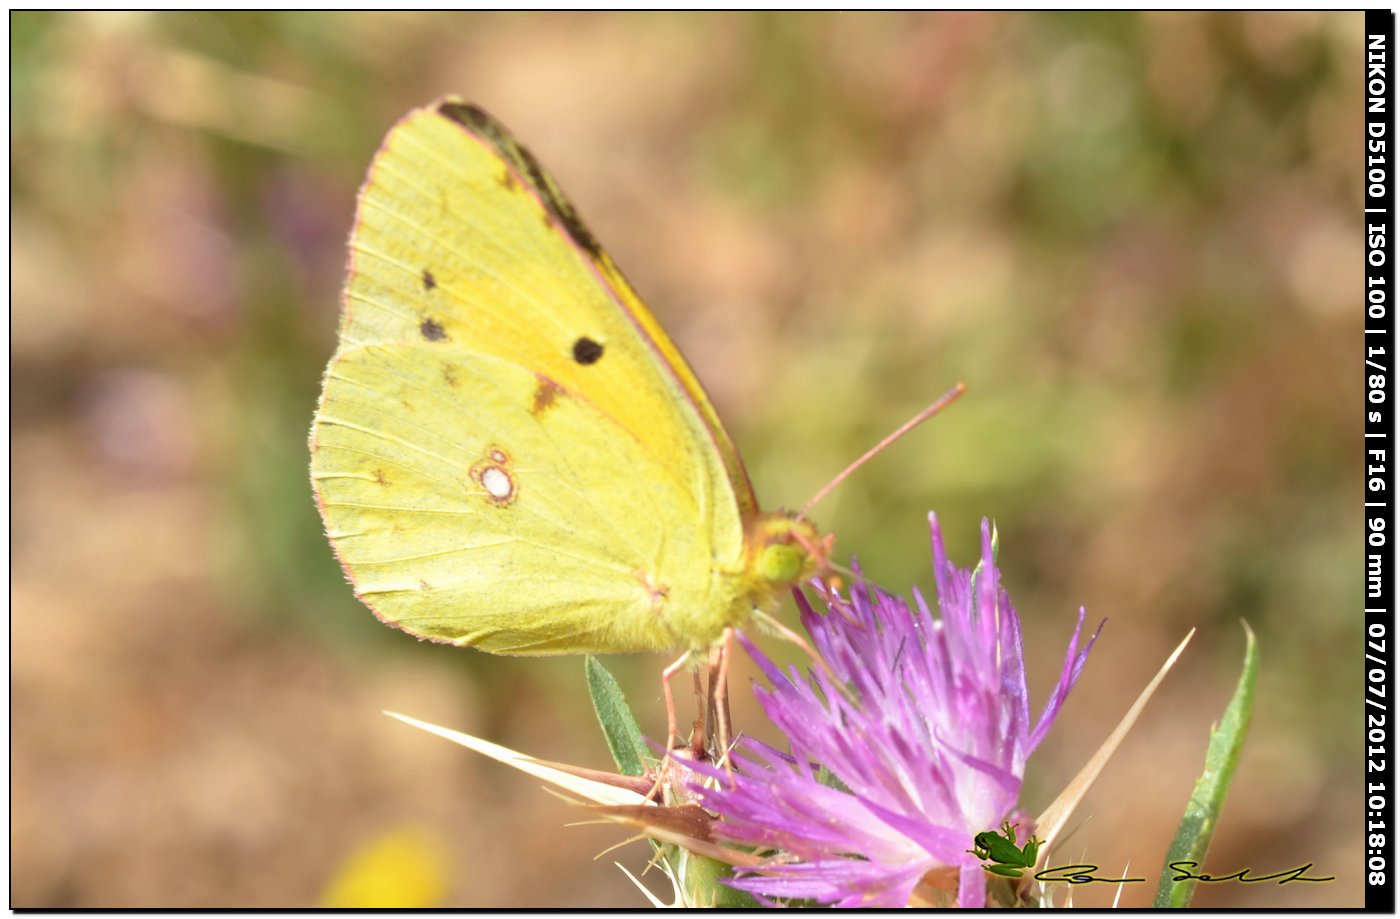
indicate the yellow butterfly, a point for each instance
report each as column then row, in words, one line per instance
column 509, row 452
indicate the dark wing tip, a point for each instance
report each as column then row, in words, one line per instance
column 471, row 117
column 480, row 123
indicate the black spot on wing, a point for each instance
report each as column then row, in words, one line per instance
column 587, row 351
column 429, row 282
column 432, row 330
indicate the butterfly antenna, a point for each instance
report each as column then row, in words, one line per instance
column 937, row 406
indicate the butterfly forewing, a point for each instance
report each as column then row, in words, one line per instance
column 509, row 452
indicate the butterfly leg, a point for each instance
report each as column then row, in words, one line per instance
column 671, row 733
column 719, row 697
column 666, row 675
column 700, row 729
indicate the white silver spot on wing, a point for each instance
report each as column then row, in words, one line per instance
column 494, row 476
column 497, row 483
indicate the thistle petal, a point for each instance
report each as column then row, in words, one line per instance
column 926, row 726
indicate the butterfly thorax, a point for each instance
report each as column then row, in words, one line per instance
column 780, row 550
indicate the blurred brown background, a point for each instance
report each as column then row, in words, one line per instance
column 1135, row 237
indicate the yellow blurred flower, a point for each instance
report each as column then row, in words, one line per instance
column 403, row 868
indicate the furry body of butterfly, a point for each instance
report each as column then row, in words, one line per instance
column 509, row 453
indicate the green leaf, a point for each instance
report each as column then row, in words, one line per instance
column 620, row 727
column 1203, row 810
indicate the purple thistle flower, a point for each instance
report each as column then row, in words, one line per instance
column 926, row 729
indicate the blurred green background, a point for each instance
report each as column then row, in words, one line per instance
column 1135, row 237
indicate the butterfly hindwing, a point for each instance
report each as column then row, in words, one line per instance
column 522, row 526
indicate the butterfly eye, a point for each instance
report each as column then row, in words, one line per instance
column 780, row 563
column 587, row 351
